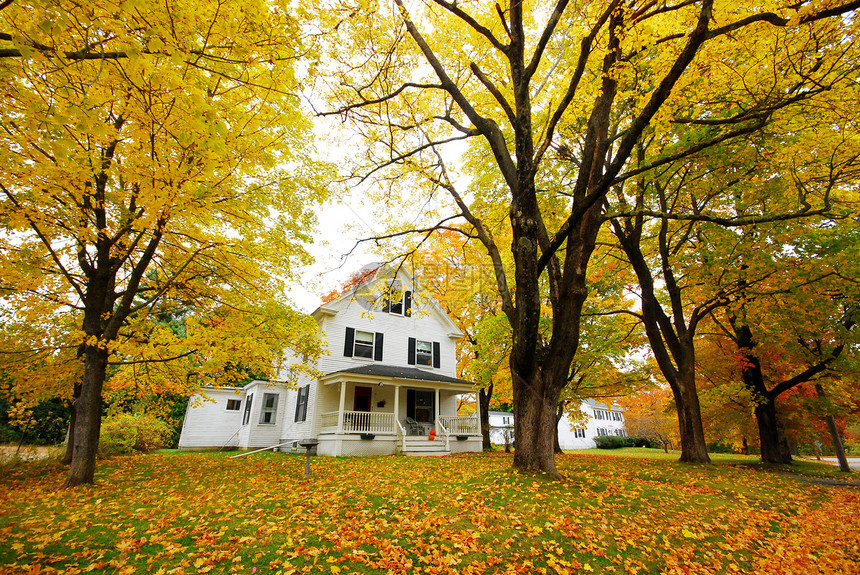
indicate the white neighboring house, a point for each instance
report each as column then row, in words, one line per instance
column 501, row 427
column 601, row 420
column 389, row 384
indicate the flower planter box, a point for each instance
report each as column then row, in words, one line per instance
column 462, row 437
column 367, row 435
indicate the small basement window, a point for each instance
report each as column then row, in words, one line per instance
column 234, row 404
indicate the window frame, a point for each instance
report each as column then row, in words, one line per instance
column 435, row 355
column 356, row 343
column 236, row 402
column 426, row 354
column 267, row 411
column 389, row 304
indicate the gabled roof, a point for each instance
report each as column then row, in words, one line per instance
column 331, row 308
column 397, row 372
column 597, row 405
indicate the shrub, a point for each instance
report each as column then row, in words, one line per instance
column 635, row 441
column 610, row 441
column 128, row 432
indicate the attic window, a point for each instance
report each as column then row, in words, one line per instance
column 392, row 301
column 395, row 301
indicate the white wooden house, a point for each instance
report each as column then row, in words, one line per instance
column 389, row 385
column 599, row 419
column 501, row 427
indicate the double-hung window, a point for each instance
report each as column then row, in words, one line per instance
column 424, row 352
column 364, row 344
column 269, row 411
column 396, row 301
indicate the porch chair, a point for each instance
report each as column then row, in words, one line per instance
column 413, row 427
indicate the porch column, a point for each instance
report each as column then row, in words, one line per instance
column 436, row 407
column 396, row 407
column 340, row 409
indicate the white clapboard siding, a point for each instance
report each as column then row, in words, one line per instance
column 396, row 332
column 292, row 430
column 207, row 422
column 256, row 434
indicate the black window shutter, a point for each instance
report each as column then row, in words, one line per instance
column 436, row 350
column 377, row 349
column 411, row 358
column 410, row 403
column 299, row 393
column 246, row 417
column 349, row 343
column 305, row 403
column 407, row 303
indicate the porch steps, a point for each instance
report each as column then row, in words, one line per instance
column 423, row 447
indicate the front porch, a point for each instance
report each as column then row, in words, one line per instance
column 363, row 415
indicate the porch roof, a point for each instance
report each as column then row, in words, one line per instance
column 398, row 372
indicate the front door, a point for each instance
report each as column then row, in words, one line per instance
column 362, row 398
column 421, row 405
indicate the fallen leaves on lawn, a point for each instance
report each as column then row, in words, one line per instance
column 201, row 513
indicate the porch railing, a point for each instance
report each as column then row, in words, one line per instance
column 455, row 425
column 399, row 441
column 367, row 422
column 443, row 432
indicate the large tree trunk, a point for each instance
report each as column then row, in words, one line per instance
column 484, row 412
column 672, row 346
column 693, row 446
column 88, row 418
column 774, row 445
column 534, row 419
column 837, row 444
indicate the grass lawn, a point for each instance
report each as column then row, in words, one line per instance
column 626, row 511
